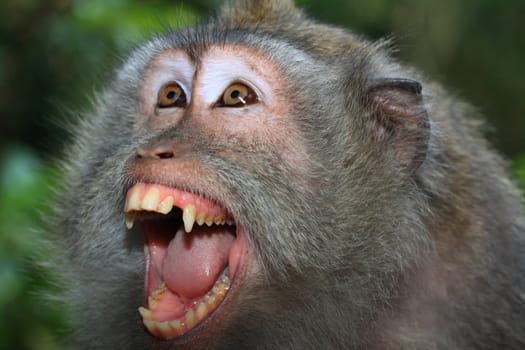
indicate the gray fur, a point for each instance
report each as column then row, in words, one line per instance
column 355, row 252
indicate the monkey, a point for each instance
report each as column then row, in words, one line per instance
column 260, row 180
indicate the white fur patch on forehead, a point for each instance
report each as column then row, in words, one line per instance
column 169, row 65
column 223, row 65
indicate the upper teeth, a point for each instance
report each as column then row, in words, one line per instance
column 143, row 197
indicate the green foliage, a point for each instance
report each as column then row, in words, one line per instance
column 54, row 54
column 126, row 21
column 29, row 319
column 519, row 170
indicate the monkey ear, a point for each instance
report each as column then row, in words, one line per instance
column 401, row 118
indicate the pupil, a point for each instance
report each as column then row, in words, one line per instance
column 235, row 94
column 170, row 95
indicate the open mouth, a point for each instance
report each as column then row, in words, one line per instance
column 192, row 253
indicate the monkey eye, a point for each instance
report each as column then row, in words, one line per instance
column 237, row 95
column 171, row 95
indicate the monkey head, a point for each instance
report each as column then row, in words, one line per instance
column 245, row 180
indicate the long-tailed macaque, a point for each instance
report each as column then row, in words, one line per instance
column 263, row 181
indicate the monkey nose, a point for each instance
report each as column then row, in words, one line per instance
column 155, row 153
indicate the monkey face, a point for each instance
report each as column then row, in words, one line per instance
column 200, row 202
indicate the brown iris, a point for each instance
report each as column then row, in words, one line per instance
column 171, row 95
column 237, row 95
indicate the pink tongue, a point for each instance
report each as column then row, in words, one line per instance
column 194, row 261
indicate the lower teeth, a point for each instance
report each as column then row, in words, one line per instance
column 193, row 315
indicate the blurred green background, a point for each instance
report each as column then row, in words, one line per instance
column 55, row 53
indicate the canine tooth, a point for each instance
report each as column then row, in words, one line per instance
column 130, row 218
column 151, row 199
column 133, row 202
column 145, row 313
column 188, row 216
column 201, row 312
column 165, row 206
column 190, row 319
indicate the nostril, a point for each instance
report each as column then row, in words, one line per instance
column 164, row 154
column 158, row 153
